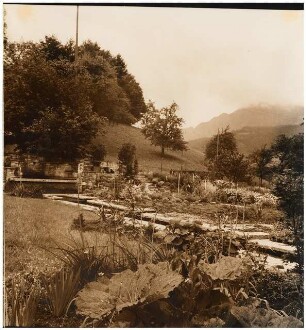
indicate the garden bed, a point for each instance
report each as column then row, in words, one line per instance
column 32, row 226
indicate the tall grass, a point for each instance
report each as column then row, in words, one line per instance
column 61, row 289
column 20, row 307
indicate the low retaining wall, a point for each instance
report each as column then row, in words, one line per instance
column 46, row 185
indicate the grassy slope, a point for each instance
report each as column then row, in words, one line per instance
column 149, row 157
column 31, row 225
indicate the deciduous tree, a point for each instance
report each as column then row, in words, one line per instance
column 261, row 163
column 289, row 185
column 42, row 81
column 223, row 158
column 163, row 127
column 47, row 110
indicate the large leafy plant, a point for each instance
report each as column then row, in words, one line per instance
column 127, row 290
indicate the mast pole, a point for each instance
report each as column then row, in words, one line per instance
column 77, row 36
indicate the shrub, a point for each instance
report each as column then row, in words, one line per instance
column 206, row 191
column 126, row 156
column 284, row 291
column 245, row 196
column 80, row 254
column 97, row 152
column 20, row 190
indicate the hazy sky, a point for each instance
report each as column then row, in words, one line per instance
column 208, row 61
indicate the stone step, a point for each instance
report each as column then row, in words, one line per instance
column 72, row 197
column 82, row 206
column 141, row 223
column 252, row 234
column 269, row 245
column 259, row 238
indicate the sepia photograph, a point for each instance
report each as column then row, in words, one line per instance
column 153, row 165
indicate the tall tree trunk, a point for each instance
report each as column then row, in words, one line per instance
column 163, row 150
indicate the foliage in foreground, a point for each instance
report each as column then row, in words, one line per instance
column 154, row 295
column 61, row 289
column 207, row 295
column 257, row 314
column 127, row 289
column 20, row 306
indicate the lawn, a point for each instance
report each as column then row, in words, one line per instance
column 30, row 227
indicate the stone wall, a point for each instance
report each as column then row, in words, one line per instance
column 36, row 167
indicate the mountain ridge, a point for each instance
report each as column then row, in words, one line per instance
column 251, row 138
column 253, row 116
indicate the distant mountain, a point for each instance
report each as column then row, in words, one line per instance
column 255, row 116
column 251, row 138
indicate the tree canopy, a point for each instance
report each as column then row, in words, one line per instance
column 163, row 127
column 53, row 106
column 261, row 163
column 223, row 158
column 289, row 185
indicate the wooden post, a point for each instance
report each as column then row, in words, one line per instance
column 217, row 154
column 236, row 192
column 218, row 144
column 178, row 183
column 79, row 181
column 20, row 175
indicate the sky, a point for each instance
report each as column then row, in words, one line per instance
column 209, row 61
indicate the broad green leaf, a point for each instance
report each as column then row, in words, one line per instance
column 149, row 283
column 227, row 268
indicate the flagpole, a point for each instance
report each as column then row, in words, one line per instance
column 77, row 35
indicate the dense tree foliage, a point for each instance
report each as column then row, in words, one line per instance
column 53, row 106
column 164, row 128
column 261, row 163
column 46, row 109
column 288, row 154
column 223, row 158
column 97, row 152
